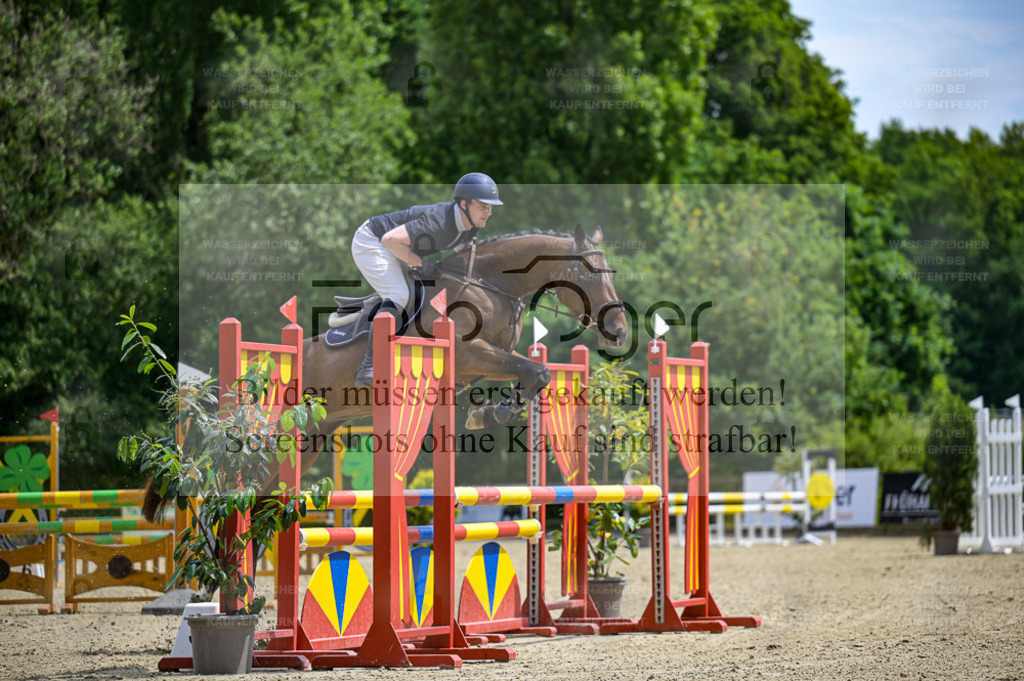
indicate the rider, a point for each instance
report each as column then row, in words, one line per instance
column 383, row 243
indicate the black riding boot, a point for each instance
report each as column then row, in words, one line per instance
column 364, row 374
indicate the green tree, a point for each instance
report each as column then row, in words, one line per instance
column 897, row 328
column 963, row 204
column 91, row 263
column 295, row 99
column 70, row 119
column 74, row 248
column 523, row 90
column 952, row 459
column 769, row 262
column 775, row 111
column 174, row 45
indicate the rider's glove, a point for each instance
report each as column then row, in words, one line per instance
column 429, row 269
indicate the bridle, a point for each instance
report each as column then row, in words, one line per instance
column 575, row 272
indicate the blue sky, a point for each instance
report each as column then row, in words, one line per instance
column 936, row 64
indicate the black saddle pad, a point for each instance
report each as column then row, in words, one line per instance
column 336, row 338
column 344, row 335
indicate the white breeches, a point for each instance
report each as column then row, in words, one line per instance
column 381, row 269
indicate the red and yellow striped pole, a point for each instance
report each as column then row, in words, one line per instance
column 511, row 495
column 317, row 537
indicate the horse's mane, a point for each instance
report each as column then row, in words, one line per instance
column 512, row 236
column 490, row 247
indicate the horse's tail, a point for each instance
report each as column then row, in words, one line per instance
column 152, row 503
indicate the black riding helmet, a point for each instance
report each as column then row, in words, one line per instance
column 477, row 186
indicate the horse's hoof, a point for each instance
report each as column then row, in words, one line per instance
column 506, row 415
column 474, row 421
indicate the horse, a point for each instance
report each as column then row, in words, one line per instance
column 488, row 289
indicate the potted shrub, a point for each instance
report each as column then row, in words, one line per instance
column 951, row 463
column 619, row 427
column 222, row 458
column 611, row 532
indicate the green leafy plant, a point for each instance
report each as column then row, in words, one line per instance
column 611, row 532
column 218, row 465
column 618, row 422
column 619, row 426
column 951, row 460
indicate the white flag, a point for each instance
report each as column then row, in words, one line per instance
column 539, row 330
column 661, row 327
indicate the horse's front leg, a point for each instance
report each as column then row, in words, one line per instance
column 479, row 358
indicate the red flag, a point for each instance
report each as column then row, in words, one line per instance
column 290, row 309
column 440, row 302
column 53, row 416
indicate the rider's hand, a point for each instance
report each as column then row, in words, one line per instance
column 429, row 269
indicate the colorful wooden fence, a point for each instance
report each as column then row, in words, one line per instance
column 408, row 617
column 30, row 508
column 96, row 552
column 679, row 420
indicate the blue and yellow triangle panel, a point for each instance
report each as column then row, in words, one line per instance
column 339, row 601
column 490, row 590
column 422, row 586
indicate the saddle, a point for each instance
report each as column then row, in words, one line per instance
column 351, row 321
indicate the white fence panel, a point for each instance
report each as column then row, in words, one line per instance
column 999, row 487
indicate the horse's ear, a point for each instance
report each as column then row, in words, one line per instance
column 598, row 237
column 581, row 236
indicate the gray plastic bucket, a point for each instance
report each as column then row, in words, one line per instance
column 606, row 592
column 222, row 644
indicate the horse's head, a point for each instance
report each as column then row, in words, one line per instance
column 591, row 292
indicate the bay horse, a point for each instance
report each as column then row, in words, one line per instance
column 509, row 273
